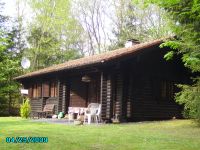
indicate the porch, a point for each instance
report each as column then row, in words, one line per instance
column 70, row 95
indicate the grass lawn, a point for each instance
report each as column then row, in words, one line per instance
column 170, row 135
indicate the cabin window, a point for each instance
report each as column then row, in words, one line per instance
column 37, row 90
column 53, row 89
column 167, row 90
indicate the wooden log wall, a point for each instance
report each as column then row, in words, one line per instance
column 129, row 103
column 64, row 98
column 142, row 96
column 30, row 91
column 78, row 93
column 125, row 93
column 104, row 97
column 37, row 104
column 45, row 89
column 119, row 95
column 39, row 90
column 93, row 90
column 108, row 97
column 60, row 96
column 147, row 106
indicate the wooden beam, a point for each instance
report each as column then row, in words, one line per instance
column 101, row 87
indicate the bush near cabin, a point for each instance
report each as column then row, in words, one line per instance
column 25, row 108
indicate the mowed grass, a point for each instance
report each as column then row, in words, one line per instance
column 158, row 135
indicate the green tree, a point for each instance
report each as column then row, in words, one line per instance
column 53, row 33
column 138, row 20
column 45, row 50
column 186, row 26
column 9, row 68
column 93, row 17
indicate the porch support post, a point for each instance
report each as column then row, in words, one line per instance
column 119, row 96
column 101, row 88
column 108, row 97
column 59, row 94
column 101, row 94
column 64, row 98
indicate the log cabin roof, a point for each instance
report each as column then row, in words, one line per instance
column 92, row 60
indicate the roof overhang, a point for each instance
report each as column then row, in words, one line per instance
column 93, row 60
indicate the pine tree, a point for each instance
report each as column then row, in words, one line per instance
column 186, row 17
column 9, row 68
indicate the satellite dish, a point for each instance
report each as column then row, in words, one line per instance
column 25, row 63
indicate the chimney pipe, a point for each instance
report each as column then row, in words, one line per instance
column 131, row 42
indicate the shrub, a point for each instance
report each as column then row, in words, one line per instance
column 25, row 108
column 189, row 96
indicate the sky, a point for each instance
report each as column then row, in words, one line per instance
column 9, row 7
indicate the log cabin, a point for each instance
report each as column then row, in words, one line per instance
column 134, row 83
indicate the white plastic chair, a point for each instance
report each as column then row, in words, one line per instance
column 93, row 111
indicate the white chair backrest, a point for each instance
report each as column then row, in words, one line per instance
column 93, row 111
column 95, row 108
column 93, row 105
